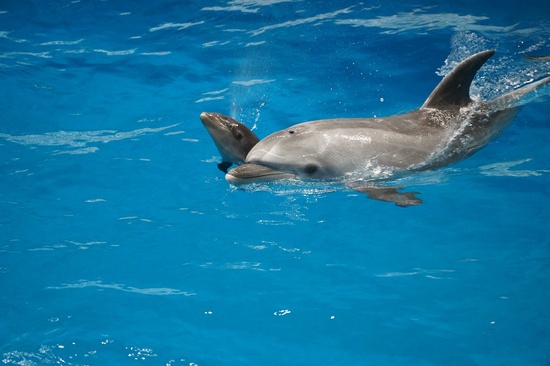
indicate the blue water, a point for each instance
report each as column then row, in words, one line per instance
column 122, row 244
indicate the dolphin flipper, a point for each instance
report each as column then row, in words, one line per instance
column 390, row 194
column 224, row 166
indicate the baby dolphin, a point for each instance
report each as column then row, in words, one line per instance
column 233, row 139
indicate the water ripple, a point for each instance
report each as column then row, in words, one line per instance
column 504, row 170
column 244, row 265
column 156, row 291
column 434, row 274
column 178, row 26
column 423, row 21
column 293, row 23
column 79, row 139
column 245, row 6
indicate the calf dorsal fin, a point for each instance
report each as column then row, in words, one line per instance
column 454, row 89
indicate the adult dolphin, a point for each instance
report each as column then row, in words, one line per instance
column 364, row 153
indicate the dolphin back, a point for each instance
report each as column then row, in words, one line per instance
column 454, row 90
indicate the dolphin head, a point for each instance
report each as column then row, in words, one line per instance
column 301, row 152
column 233, row 139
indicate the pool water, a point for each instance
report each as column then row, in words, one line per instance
column 122, row 243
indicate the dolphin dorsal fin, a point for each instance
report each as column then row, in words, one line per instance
column 454, row 89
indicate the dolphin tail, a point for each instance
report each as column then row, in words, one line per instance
column 520, row 97
column 454, row 89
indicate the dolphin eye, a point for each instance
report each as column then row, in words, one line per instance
column 236, row 132
column 310, row 169
column 291, row 132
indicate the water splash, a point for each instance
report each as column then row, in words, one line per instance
column 504, row 72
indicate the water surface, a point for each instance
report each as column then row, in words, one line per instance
column 121, row 243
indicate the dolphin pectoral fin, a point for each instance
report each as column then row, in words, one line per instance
column 390, row 194
column 224, row 166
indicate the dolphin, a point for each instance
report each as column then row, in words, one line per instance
column 365, row 153
column 233, row 139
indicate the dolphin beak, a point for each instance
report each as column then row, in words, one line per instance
column 254, row 173
column 209, row 122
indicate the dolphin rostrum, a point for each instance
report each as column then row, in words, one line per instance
column 364, row 153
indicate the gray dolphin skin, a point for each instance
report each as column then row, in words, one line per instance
column 365, row 153
column 233, row 139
